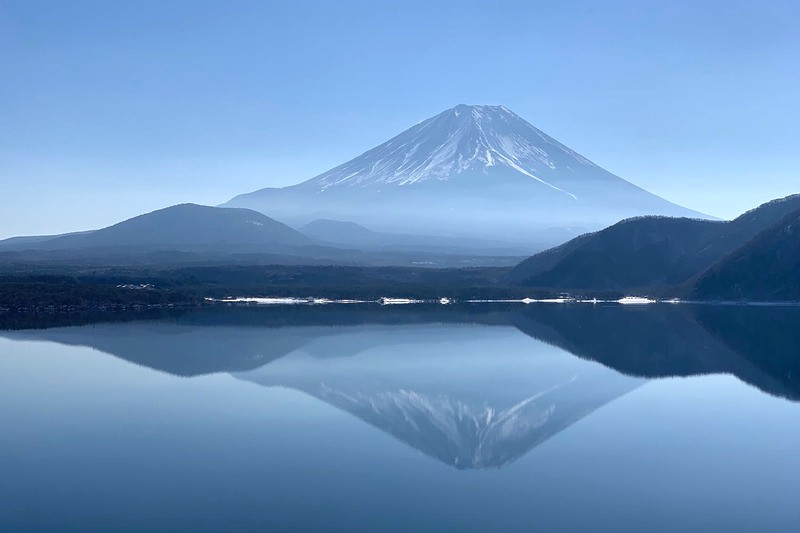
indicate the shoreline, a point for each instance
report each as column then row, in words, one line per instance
column 291, row 301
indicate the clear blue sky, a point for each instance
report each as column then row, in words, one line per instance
column 110, row 109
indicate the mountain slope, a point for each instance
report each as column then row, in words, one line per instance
column 19, row 243
column 646, row 252
column 633, row 253
column 767, row 268
column 471, row 170
column 182, row 227
column 747, row 226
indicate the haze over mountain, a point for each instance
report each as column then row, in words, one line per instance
column 190, row 233
column 471, row 170
column 352, row 235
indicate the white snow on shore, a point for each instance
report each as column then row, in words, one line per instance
column 259, row 300
column 635, row 300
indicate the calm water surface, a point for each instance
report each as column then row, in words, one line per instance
column 440, row 418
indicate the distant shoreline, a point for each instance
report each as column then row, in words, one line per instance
column 260, row 301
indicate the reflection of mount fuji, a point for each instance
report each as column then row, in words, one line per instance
column 458, row 382
column 470, row 396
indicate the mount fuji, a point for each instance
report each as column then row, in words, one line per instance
column 474, row 170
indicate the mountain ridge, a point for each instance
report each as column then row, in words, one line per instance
column 765, row 268
column 191, row 234
column 651, row 253
column 175, row 227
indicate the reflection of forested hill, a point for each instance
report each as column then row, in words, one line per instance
column 203, row 341
column 677, row 340
column 180, row 349
column 760, row 345
column 459, row 383
column 766, row 336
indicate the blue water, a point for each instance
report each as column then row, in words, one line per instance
column 549, row 419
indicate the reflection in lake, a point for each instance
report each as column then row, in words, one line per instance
column 471, row 396
column 478, row 388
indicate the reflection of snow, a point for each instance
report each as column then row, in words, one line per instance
column 469, row 397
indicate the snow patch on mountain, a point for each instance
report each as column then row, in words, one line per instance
column 462, row 140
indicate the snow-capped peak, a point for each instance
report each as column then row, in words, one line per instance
column 465, row 140
column 472, row 170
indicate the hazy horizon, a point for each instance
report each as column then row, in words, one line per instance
column 119, row 110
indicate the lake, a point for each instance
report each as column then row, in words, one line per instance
column 536, row 417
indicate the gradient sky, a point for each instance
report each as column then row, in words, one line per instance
column 111, row 109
